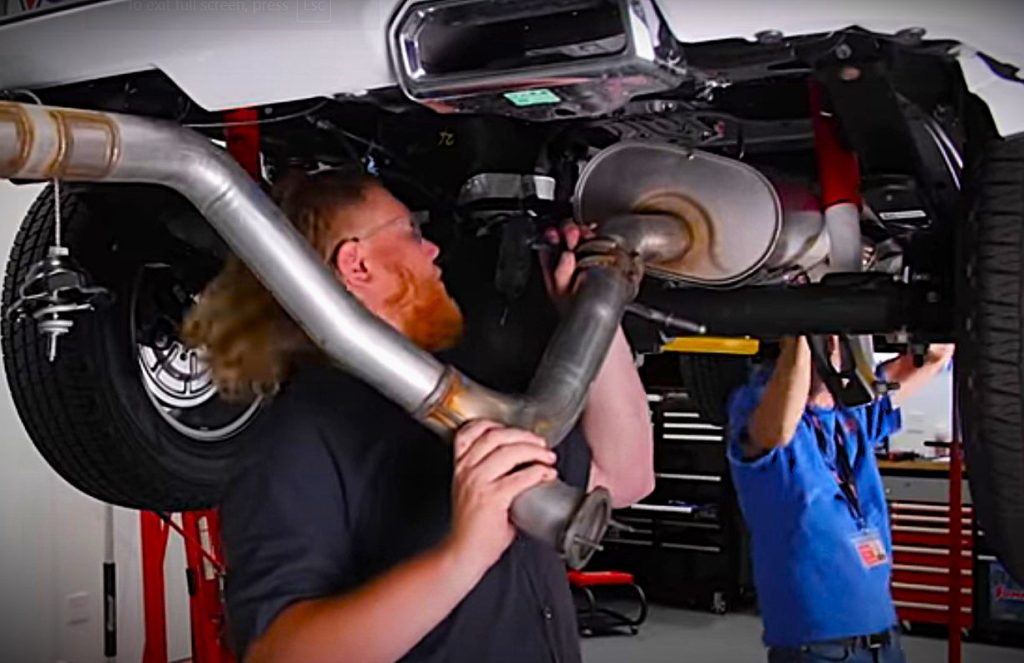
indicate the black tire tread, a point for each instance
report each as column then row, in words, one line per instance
column 992, row 358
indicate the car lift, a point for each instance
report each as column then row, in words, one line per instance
column 204, row 573
column 200, row 530
column 954, row 648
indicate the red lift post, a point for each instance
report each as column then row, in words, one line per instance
column 955, row 533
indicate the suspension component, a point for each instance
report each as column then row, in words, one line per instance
column 54, row 288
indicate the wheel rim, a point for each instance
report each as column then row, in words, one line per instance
column 177, row 381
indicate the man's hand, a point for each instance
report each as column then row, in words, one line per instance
column 940, row 353
column 912, row 378
column 558, row 274
column 493, row 465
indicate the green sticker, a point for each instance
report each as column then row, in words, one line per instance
column 534, row 97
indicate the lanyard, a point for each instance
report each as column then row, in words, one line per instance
column 843, row 471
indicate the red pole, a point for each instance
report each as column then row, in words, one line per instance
column 955, row 533
column 206, row 608
column 154, row 549
column 202, row 528
column 206, row 554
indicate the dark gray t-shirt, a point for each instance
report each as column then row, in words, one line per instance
column 344, row 485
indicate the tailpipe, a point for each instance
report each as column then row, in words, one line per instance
column 39, row 142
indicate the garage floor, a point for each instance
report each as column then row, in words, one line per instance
column 676, row 636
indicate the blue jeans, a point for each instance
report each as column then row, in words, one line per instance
column 829, row 652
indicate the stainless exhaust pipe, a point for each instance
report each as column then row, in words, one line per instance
column 39, row 142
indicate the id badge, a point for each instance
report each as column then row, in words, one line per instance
column 870, row 548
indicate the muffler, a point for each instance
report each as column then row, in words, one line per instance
column 38, row 142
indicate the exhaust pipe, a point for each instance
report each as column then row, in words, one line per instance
column 39, row 142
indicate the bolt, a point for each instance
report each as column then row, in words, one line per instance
column 587, row 543
column 843, row 51
column 768, row 37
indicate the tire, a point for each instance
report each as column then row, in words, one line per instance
column 990, row 354
column 90, row 413
column 709, row 380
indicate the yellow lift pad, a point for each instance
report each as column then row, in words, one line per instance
column 713, row 345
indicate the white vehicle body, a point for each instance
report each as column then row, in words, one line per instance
column 233, row 53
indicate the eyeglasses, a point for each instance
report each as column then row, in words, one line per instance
column 415, row 233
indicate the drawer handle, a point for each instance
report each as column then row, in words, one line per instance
column 627, row 542
column 927, row 588
column 940, row 508
column 926, row 530
column 710, row 478
column 687, row 546
column 663, row 508
column 693, row 438
column 691, row 426
column 928, row 551
column 915, row 568
column 927, row 519
column 928, row 606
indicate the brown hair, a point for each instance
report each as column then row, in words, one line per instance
column 248, row 340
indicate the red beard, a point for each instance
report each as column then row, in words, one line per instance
column 425, row 312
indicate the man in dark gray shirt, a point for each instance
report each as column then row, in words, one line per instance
column 347, row 487
column 354, row 534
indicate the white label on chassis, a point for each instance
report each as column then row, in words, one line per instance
column 902, row 215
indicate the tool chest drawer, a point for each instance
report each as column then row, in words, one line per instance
column 684, row 542
column 921, row 578
column 686, row 445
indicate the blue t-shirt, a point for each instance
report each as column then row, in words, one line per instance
column 812, row 583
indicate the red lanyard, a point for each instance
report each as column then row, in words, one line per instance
column 843, row 472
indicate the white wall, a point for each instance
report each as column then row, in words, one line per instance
column 927, row 415
column 51, row 543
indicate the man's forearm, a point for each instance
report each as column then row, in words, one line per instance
column 380, row 621
column 775, row 420
column 911, row 378
column 617, row 426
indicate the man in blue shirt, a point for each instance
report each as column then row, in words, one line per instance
column 812, row 496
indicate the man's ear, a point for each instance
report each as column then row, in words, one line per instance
column 350, row 264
